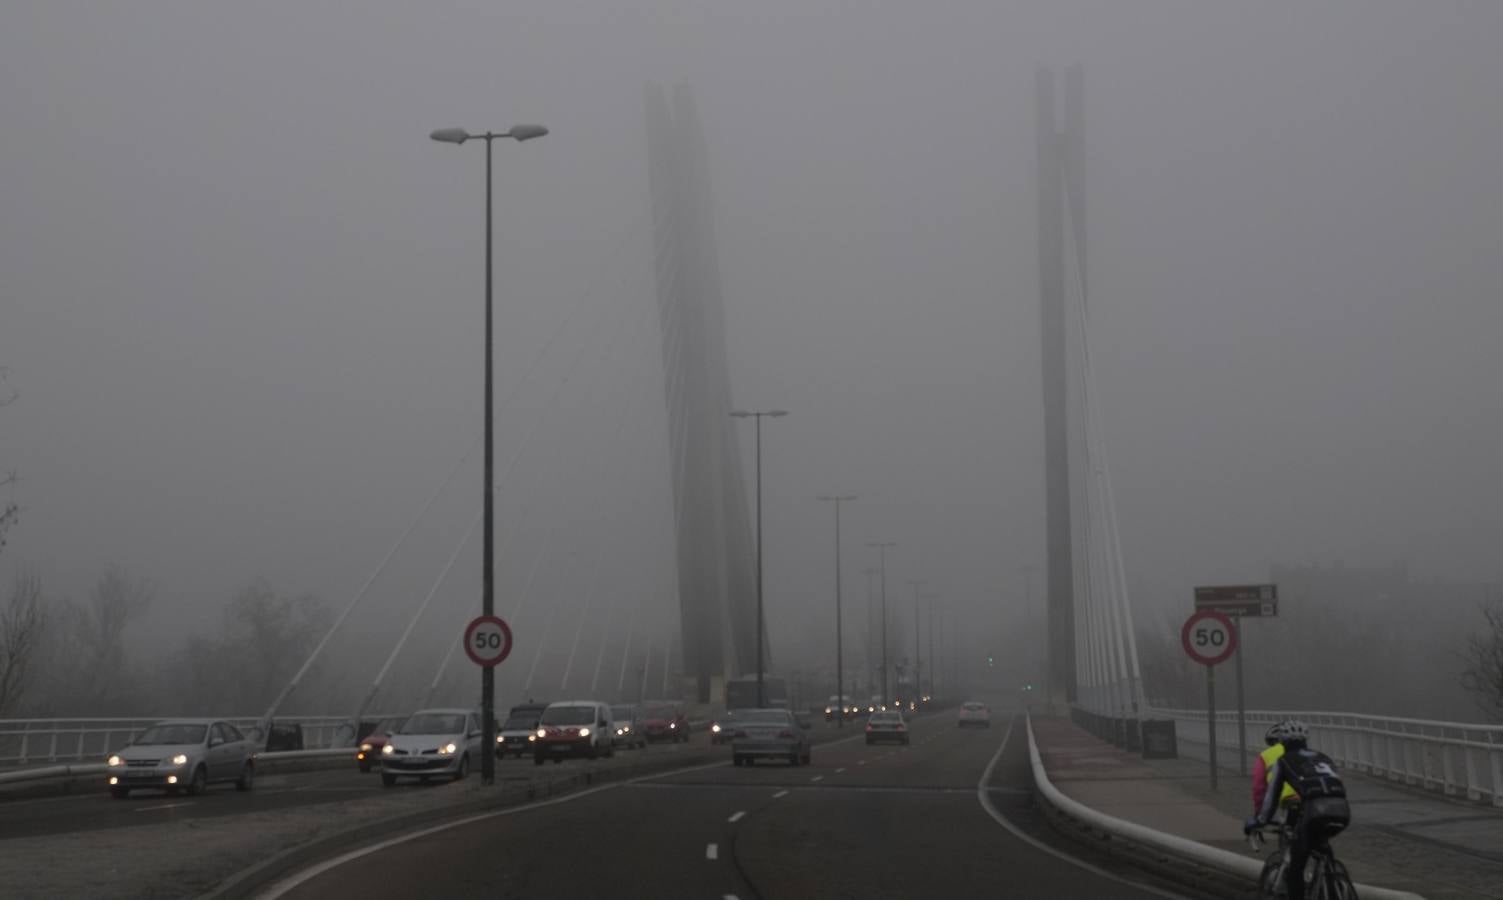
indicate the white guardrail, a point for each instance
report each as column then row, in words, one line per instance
column 1200, row 854
column 1456, row 758
column 25, row 742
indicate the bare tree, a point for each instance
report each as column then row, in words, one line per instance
column 1483, row 675
column 96, row 680
column 9, row 511
column 22, row 622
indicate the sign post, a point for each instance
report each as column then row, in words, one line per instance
column 1209, row 637
column 1238, row 600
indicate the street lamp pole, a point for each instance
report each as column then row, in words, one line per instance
column 918, row 685
column 839, row 657
column 871, row 672
column 519, row 133
column 882, row 547
column 758, row 414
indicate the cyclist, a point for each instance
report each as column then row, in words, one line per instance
column 1263, row 765
column 1318, row 810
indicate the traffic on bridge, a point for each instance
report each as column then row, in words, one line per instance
column 796, row 449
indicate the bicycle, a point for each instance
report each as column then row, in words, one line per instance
column 1326, row 877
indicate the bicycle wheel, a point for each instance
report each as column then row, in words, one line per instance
column 1340, row 885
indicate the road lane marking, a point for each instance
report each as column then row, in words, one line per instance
column 737, row 816
column 779, row 794
column 163, row 806
column 818, row 778
column 712, row 851
column 728, row 897
column 860, row 762
column 295, row 880
column 982, row 794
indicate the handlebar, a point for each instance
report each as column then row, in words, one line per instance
column 1255, row 840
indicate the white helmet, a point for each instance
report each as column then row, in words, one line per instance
column 1295, row 730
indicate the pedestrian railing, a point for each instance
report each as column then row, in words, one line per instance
column 1456, row 758
column 25, row 742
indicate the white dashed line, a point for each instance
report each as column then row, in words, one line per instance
column 712, row 851
column 838, row 771
column 164, row 806
column 818, row 778
column 737, row 816
column 779, row 794
column 729, row 897
column 860, row 762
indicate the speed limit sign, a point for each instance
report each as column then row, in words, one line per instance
column 487, row 640
column 1209, row 637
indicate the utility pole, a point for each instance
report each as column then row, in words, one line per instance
column 918, row 667
column 761, row 628
column 871, row 669
column 839, row 657
column 882, row 547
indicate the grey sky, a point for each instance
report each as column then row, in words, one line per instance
column 239, row 288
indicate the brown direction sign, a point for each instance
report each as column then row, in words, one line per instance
column 1239, row 599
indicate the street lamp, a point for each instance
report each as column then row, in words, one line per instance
column 882, row 548
column 918, row 687
column 758, row 414
column 517, row 133
column 839, row 657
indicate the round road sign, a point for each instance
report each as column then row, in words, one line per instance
column 1209, row 637
column 487, row 640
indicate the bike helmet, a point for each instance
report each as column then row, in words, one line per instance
column 1275, row 733
column 1295, row 730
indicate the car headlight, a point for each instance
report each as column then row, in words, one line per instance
column 715, row 728
column 447, row 749
column 626, row 728
column 542, row 733
column 672, row 724
column 584, row 732
column 828, row 710
column 366, row 748
column 115, row 761
column 180, row 760
column 619, row 732
column 388, row 750
column 532, row 737
column 500, row 738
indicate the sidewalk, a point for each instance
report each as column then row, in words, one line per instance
column 1400, row 838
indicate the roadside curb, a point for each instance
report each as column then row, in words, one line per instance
column 1198, row 865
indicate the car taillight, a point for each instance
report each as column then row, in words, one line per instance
column 902, row 727
column 868, row 728
column 785, row 733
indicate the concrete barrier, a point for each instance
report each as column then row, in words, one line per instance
column 1193, row 852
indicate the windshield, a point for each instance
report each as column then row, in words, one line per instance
column 434, row 723
column 659, row 712
column 568, row 715
column 387, row 726
column 621, row 712
column 885, row 717
column 516, row 723
column 172, row 734
column 973, row 706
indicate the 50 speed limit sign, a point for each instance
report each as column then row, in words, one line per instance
column 1209, row 637
column 487, row 640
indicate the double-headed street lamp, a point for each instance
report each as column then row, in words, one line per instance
column 517, row 133
column 839, row 657
column 882, row 548
column 758, row 414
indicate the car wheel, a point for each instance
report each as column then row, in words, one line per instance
column 388, row 780
column 557, row 760
column 199, row 783
column 610, row 751
column 808, row 756
column 794, row 760
column 365, row 766
column 869, row 742
column 537, row 760
column 735, row 760
column 749, row 761
column 247, row 778
column 464, row 768
column 119, row 793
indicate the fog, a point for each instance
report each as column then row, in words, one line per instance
column 241, row 306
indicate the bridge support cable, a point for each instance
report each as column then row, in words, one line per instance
column 360, row 594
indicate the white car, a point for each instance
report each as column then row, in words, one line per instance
column 973, row 712
column 432, row 742
column 183, row 754
column 574, row 728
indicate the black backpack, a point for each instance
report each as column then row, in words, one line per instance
column 1321, row 792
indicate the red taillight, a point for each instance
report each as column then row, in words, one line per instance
column 868, row 728
column 785, row 733
column 902, row 727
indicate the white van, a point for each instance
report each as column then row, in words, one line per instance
column 574, row 728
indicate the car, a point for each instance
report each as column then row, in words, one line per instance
column 886, row 726
column 432, row 742
column 628, row 726
column 518, row 733
column 723, row 727
column 574, row 728
column 772, row 734
column 183, row 754
column 844, row 703
column 664, row 720
column 974, row 712
column 369, row 752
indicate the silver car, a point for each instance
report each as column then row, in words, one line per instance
column 183, row 754
column 432, row 742
column 774, row 733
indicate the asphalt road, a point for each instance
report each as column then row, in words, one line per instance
column 97, row 810
column 868, row 822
